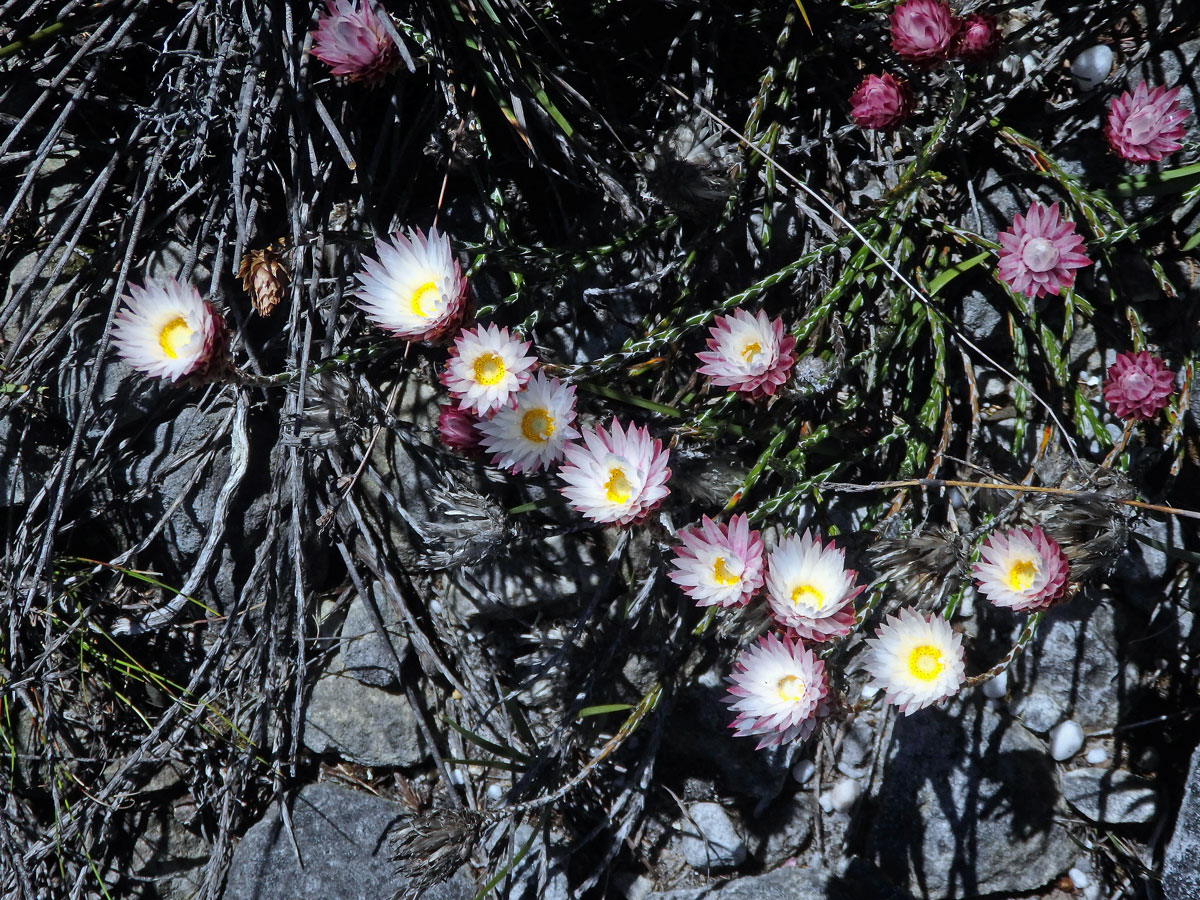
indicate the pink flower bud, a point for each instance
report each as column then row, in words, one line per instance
column 880, row 102
column 979, row 38
column 923, row 30
column 1138, row 385
column 1146, row 125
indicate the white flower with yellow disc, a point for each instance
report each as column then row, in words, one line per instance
column 487, row 366
column 168, row 330
column 532, row 433
column 415, row 289
column 916, row 660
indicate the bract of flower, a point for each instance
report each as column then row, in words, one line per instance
column 534, row 430
column 778, row 690
column 487, row 366
column 916, row 660
column 415, row 289
column 1146, row 125
column 1138, row 385
column 809, row 589
column 617, row 476
column 353, row 41
column 978, row 38
column 719, row 565
column 923, row 30
column 1022, row 569
column 166, row 329
column 1040, row 253
column 456, row 427
column 748, row 354
column 880, row 102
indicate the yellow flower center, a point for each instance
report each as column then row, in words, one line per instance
column 806, row 593
column 537, row 425
column 791, row 689
column 174, row 335
column 618, row 487
column 1021, row 574
column 751, row 350
column 925, row 662
column 722, row 575
column 419, row 296
column 489, row 369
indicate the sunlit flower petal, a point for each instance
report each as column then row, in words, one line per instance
column 923, row 30
column 916, row 660
column 748, row 354
column 719, row 565
column 1021, row 569
column 486, row 367
column 1146, row 125
column 880, row 102
column 532, row 432
column 1039, row 254
column 1138, row 385
column 616, row 477
column 778, row 691
column 169, row 331
column 810, row 591
column 415, row 289
column 353, row 42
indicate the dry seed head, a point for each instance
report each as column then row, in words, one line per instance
column 264, row 276
column 428, row 849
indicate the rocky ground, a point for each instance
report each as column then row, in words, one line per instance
column 256, row 628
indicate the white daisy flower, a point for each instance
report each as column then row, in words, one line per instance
column 533, row 432
column 617, row 477
column 415, row 289
column 778, row 691
column 168, row 330
column 748, row 354
column 719, row 565
column 809, row 589
column 916, row 660
column 1022, row 570
column 486, row 367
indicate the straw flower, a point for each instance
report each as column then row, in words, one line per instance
column 1138, row 385
column 880, row 102
column 533, row 431
column 923, row 30
column 719, row 565
column 415, row 289
column 778, row 691
column 353, row 42
column 616, row 476
column 486, row 367
column 748, row 354
column 979, row 38
column 809, row 589
column 169, row 331
column 1040, row 252
column 1022, row 570
column 456, row 427
column 1146, row 125
column 916, row 660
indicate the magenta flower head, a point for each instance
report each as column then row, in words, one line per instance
column 748, row 354
column 352, row 41
column 169, row 331
column 923, row 30
column 1022, row 570
column 778, row 691
column 810, row 591
column 978, row 38
column 456, row 427
column 880, row 102
column 1146, row 125
column 1039, row 254
column 719, row 565
column 1138, row 385
column 617, row 476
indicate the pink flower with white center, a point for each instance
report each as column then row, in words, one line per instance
column 923, row 30
column 1146, row 125
column 456, row 426
column 1040, row 253
column 416, row 289
column 1022, row 570
column 748, row 354
column 352, row 41
column 979, row 38
column 533, row 431
column 719, row 565
column 778, row 691
column 880, row 102
column 809, row 589
column 169, row 331
column 1138, row 385
column 916, row 660
column 616, row 477
column 486, row 367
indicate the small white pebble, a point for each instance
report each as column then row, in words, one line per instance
column 1079, row 879
column 1065, row 740
column 495, row 792
column 803, row 771
column 997, row 687
column 844, row 793
column 1092, row 66
column 435, row 607
column 826, row 801
column 1096, row 755
column 457, row 776
column 1091, row 892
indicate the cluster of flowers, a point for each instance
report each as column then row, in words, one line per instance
column 778, row 687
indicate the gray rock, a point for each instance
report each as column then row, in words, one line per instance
column 710, row 838
column 795, row 883
column 1110, row 796
column 363, row 653
column 782, row 830
column 1181, row 875
column 339, row 834
column 980, row 318
column 1070, row 670
column 526, row 879
column 361, row 723
column 967, row 806
column 1142, row 567
column 164, row 850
